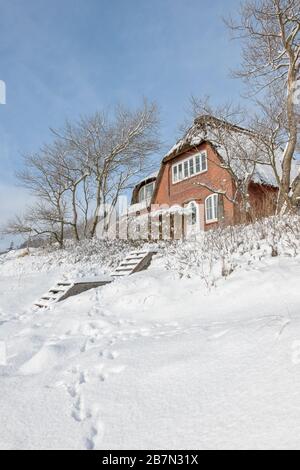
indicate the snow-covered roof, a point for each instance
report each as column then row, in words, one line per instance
column 152, row 176
column 234, row 145
column 149, row 177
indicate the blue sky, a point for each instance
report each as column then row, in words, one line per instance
column 64, row 58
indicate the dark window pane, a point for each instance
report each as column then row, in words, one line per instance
column 192, row 170
column 198, row 164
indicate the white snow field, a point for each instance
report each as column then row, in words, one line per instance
column 151, row 361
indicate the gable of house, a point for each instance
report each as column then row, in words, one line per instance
column 194, row 181
column 196, row 170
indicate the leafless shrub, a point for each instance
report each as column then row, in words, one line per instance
column 219, row 253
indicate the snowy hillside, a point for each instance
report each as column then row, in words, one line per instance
column 202, row 351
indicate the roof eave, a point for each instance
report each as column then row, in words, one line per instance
column 183, row 149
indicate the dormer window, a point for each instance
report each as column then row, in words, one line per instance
column 146, row 192
column 190, row 167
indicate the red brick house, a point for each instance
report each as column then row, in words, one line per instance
column 194, row 175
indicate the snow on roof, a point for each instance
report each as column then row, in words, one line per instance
column 151, row 176
column 234, row 145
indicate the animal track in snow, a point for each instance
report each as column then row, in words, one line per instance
column 109, row 354
column 85, row 381
column 80, row 413
column 96, row 435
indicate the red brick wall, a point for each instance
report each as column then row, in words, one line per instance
column 262, row 201
column 262, row 198
column 188, row 190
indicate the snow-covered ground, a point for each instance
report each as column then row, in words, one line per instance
column 152, row 361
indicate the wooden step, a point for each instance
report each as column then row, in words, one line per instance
column 54, row 294
column 50, row 297
column 125, row 263
column 126, row 267
column 134, row 262
column 64, row 289
column 41, row 304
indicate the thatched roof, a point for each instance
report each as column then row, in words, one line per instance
column 207, row 128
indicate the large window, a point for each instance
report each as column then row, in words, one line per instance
column 212, row 208
column 190, row 167
column 146, row 192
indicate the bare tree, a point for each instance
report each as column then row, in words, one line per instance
column 74, row 178
column 113, row 150
column 240, row 149
column 53, row 177
column 41, row 178
column 86, row 167
column 270, row 127
column 38, row 221
column 269, row 31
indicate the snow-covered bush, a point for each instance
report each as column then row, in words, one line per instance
column 93, row 254
column 106, row 253
column 82, row 259
column 213, row 256
column 216, row 254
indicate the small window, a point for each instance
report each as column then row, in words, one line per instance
column 211, row 208
column 186, row 169
column 146, row 192
column 198, row 164
column 142, row 194
column 180, row 172
column 175, row 174
column 149, row 190
column 194, row 214
column 191, row 162
column 203, row 161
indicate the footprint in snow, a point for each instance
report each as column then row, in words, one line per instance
column 80, row 413
column 93, row 442
column 82, row 378
column 72, row 390
column 109, row 354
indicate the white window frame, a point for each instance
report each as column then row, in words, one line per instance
column 143, row 190
column 214, row 198
column 195, row 205
column 189, row 164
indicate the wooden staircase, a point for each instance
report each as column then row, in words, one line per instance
column 55, row 294
column 134, row 262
